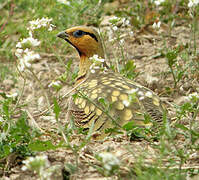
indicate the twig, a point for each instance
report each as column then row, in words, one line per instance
column 43, row 90
column 11, row 12
column 32, row 121
column 22, row 91
column 43, row 112
column 74, row 88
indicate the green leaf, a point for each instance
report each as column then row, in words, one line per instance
column 57, row 109
column 70, row 168
column 90, row 131
column 6, row 108
column 171, row 56
column 147, row 118
column 181, row 126
column 129, row 126
column 129, row 70
column 42, row 145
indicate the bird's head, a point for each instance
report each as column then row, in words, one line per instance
column 85, row 39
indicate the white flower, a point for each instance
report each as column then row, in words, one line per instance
column 31, row 40
column 125, row 22
column 131, row 33
column 141, row 98
column 64, row 2
column 126, row 103
column 50, row 28
column 132, row 91
column 27, row 58
column 148, row 94
column 25, row 62
column 30, row 56
column 1, row 119
column 115, row 28
column 18, row 52
column 24, row 168
column 114, row 18
column 121, row 41
column 54, row 84
column 92, row 71
column 37, row 163
column 18, row 45
column 109, row 160
column 38, row 23
column 194, row 95
column 158, row 2
column 96, row 63
column 12, row 95
column 193, row 3
column 96, row 58
column 156, row 25
column 140, row 93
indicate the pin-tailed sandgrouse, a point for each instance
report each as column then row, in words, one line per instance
column 127, row 100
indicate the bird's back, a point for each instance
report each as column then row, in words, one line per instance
column 109, row 100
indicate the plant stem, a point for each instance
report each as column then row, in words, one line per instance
column 174, row 77
column 43, row 90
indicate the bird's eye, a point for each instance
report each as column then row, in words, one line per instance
column 78, row 33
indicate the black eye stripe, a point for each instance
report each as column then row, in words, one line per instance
column 92, row 35
column 80, row 33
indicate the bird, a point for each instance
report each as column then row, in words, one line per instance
column 105, row 99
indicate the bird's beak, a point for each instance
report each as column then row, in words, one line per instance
column 63, row 35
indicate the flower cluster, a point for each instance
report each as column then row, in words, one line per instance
column 156, row 25
column 193, row 3
column 38, row 165
column 23, row 48
column 96, row 63
column 96, row 58
column 28, row 41
column 26, row 57
column 109, row 161
column 115, row 22
column 193, row 97
column 38, row 23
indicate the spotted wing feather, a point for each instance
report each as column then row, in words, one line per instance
column 128, row 101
